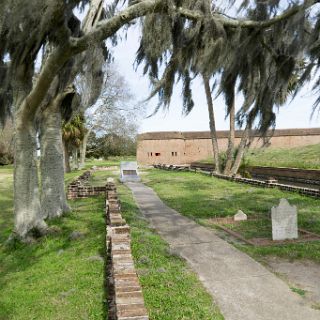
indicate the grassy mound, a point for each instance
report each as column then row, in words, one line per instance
column 304, row 157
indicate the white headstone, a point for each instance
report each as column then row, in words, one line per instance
column 240, row 216
column 284, row 221
column 129, row 171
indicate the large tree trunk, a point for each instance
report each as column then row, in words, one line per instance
column 241, row 150
column 83, row 149
column 212, row 124
column 27, row 210
column 53, row 198
column 231, row 139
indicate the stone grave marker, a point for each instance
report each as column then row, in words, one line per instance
column 240, row 216
column 284, row 221
column 129, row 171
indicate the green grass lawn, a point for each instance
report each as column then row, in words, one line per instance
column 56, row 278
column 307, row 157
column 201, row 197
column 303, row 157
column 59, row 278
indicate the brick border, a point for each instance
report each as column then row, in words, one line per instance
column 81, row 188
column 304, row 191
column 125, row 298
column 307, row 176
column 125, row 295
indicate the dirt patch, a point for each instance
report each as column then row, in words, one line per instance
column 301, row 274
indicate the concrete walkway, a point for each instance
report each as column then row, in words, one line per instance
column 243, row 288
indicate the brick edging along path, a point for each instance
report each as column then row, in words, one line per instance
column 125, row 299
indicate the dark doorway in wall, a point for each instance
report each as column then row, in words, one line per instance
column 158, row 154
column 174, row 154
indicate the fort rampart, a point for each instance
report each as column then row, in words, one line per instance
column 187, row 147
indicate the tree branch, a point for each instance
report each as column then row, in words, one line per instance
column 54, row 63
column 235, row 23
column 109, row 27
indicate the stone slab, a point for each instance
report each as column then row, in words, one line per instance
column 216, row 260
column 240, row 216
column 284, row 221
column 192, row 235
column 129, row 171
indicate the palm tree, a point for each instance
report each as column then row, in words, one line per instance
column 212, row 123
column 73, row 133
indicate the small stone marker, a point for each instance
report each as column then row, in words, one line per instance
column 129, row 171
column 240, row 216
column 284, row 221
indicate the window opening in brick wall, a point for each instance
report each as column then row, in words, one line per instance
column 157, row 154
column 174, row 154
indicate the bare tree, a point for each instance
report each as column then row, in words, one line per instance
column 115, row 102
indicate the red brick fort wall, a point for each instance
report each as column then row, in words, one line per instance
column 187, row 147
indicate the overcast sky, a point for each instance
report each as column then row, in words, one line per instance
column 294, row 115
